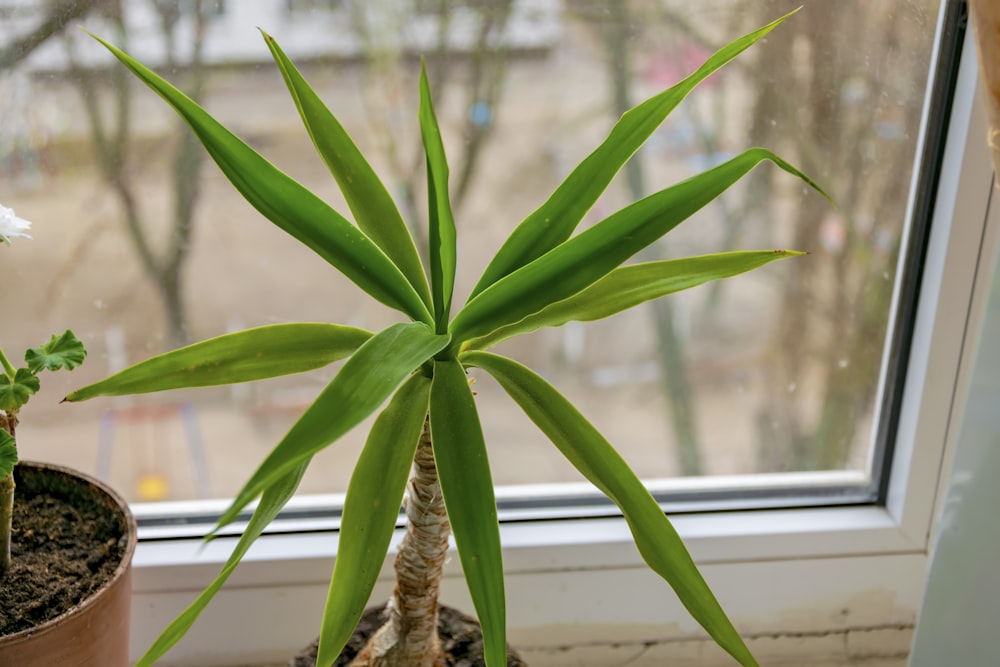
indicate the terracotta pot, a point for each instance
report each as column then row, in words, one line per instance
column 94, row 633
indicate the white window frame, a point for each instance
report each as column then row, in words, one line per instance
column 807, row 584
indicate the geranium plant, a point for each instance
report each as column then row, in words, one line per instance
column 17, row 385
column 413, row 373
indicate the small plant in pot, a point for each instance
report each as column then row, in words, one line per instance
column 426, row 442
column 66, row 540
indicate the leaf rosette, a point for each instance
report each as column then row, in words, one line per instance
column 544, row 275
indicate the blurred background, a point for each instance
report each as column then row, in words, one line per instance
column 140, row 245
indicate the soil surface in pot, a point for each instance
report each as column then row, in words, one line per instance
column 62, row 553
column 460, row 635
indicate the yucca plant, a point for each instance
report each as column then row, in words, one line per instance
column 415, row 371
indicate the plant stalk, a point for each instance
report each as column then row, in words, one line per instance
column 8, row 422
column 410, row 636
column 8, row 367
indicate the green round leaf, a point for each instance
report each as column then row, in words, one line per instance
column 65, row 351
column 14, row 394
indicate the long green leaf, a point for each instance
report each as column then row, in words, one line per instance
column 658, row 543
column 369, row 201
column 371, row 509
column 629, row 286
column 288, row 204
column 440, row 220
column 243, row 356
column 589, row 256
column 274, row 498
column 556, row 219
column 467, row 488
column 365, row 381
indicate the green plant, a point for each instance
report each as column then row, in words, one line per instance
column 542, row 276
column 17, row 385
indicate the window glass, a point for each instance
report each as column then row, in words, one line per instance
column 140, row 245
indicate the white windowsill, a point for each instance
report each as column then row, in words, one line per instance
column 569, row 583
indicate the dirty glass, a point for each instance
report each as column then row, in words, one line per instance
column 140, row 245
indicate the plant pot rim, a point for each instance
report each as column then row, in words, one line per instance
column 120, row 571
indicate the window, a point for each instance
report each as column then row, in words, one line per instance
column 792, row 355
column 827, row 382
column 964, row 553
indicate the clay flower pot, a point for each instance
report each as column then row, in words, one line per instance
column 94, row 631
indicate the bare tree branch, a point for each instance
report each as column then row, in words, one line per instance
column 60, row 14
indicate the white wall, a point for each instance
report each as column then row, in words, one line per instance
column 961, row 608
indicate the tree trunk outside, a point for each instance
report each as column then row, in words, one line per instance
column 111, row 134
column 675, row 377
column 822, row 369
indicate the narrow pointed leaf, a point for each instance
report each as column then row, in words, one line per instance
column 243, row 356
column 464, row 472
column 629, row 286
column 556, row 219
column 582, row 260
column 365, row 381
column 288, row 204
column 658, row 543
column 440, row 219
column 272, row 501
column 369, row 201
column 371, row 509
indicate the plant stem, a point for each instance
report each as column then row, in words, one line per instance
column 8, row 367
column 410, row 637
column 8, row 421
column 6, row 522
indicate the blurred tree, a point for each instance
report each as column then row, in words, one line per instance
column 856, row 133
column 477, row 71
column 112, row 136
column 617, row 24
column 53, row 17
column 854, row 129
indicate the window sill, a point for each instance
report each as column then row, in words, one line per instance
column 780, row 574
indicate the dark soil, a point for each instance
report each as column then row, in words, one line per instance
column 66, row 545
column 460, row 635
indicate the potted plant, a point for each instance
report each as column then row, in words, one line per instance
column 66, row 540
column 413, row 373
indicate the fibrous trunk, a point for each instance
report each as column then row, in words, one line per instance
column 410, row 638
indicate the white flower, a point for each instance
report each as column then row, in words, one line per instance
column 11, row 225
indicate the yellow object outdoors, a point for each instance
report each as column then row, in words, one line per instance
column 152, row 487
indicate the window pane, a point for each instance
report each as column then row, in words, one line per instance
column 140, row 245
